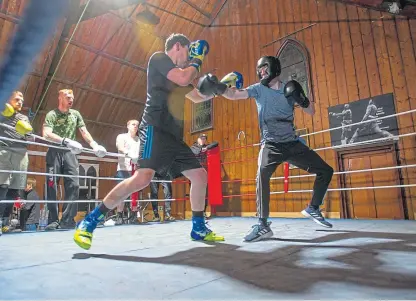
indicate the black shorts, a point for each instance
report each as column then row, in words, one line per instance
column 164, row 153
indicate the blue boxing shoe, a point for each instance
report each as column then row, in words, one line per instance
column 200, row 231
column 84, row 230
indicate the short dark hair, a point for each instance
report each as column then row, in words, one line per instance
column 176, row 38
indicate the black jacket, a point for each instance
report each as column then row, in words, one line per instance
column 197, row 150
column 32, row 214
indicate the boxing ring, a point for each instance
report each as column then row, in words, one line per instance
column 356, row 259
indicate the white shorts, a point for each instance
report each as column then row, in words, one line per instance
column 13, row 159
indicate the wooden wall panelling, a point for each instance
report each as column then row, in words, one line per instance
column 293, row 200
column 346, row 56
column 233, row 106
column 305, row 37
column 226, row 112
column 407, row 144
column 266, row 34
column 407, row 51
column 241, row 36
column 321, row 93
column 286, row 27
column 354, row 54
column 284, row 201
column 301, row 119
column 337, row 88
column 295, row 21
column 251, row 126
column 330, row 87
column 369, row 52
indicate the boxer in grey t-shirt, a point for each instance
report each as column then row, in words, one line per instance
column 275, row 105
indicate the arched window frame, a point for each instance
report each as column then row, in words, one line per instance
column 82, row 181
column 301, row 47
column 86, row 167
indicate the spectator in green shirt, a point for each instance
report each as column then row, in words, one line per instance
column 60, row 126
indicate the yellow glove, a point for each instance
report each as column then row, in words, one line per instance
column 23, row 127
column 233, row 79
column 8, row 111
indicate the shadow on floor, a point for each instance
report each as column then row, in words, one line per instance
column 285, row 270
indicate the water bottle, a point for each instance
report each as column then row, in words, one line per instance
column 43, row 222
column 161, row 214
column 40, row 219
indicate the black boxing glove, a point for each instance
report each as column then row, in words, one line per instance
column 293, row 91
column 210, row 85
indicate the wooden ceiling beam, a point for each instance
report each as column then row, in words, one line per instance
column 98, row 8
column 105, row 55
column 175, row 14
column 198, row 9
column 47, row 66
column 87, row 88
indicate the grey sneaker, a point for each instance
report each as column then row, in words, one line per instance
column 259, row 232
column 316, row 216
column 52, row 226
column 119, row 220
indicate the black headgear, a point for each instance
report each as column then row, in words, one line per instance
column 273, row 69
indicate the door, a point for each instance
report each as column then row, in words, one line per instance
column 372, row 203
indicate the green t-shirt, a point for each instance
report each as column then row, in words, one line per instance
column 64, row 124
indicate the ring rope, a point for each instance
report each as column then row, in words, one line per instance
column 87, row 201
column 364, row 142
column 76, row 176
column 226, row 196
column 333, row 189
column 86, row 150
column 33, row 135
column 331, row 129
column 226, row 181
column 360, row 122
column 351, row 171
column 335, row 173
column 348, row 189
column 32, row 143
column 342, row 146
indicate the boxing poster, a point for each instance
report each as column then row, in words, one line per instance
column 363, row 110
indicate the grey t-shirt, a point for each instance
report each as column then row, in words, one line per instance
column 165, row 100
column 9, row 133
column 275, row 113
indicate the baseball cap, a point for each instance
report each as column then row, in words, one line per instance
column 202, row 136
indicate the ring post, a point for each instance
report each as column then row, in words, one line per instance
column 286, row 175
column 214, row 177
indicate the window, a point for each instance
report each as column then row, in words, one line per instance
column 293, row 57
column 82, row 173
column 88, row 188
column 202, row 115
column 294, row 60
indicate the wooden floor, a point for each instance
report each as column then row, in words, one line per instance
column 357, row 259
